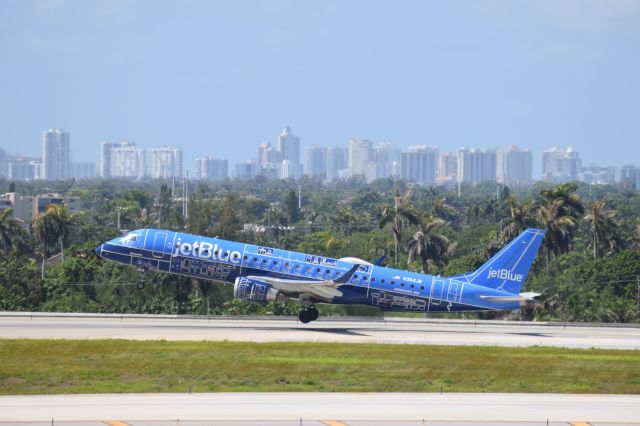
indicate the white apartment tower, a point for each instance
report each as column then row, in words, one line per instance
column 211, row 168
column 360, row 156
column 560, row 164
column 165, row 162
column 315, row 161
column 514, row 166
column 419, row 164
column 129, row 162
column 447, row 167
column 55, row 154
column 476, row 165
column 337, row 162
column 288, row 146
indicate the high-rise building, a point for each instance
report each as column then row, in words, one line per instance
column 247, row 170
column 165, row 162
column 419, row 164
column 386, row 161
column 629, row 176
column 55, row 154
column 289, row 170
column 82, row 170
column 514, row 166
column 24, row 170
column 595, row 174
column 476, row 165
column 447, row 167
column 288, row 146
column 337, row 162
column 211, row 168
column 560, row 164
column 315, row 162
column 360, row 156
column 106, row 166
column 129, row 162
column 4, row 163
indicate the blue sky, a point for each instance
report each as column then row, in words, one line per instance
column 219, row 77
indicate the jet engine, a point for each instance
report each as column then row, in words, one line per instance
column 255, row 291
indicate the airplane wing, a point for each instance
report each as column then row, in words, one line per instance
column 525, row 299
column 326, row 289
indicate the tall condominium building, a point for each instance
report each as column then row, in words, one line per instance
column 55, row 154
column 598, row 174
column 106, row 166
column 315, row 161
column 267, row 154
column 476, row 165
column 360, row 156
column 165, row 162
column 629, row 176
column 447, row 167
column 247, row 170
column 4, row 163
column 337, row 162
column 289, row 170
column 129, row 162
column 386, row 161
column 514, row 166
column 419, row 164
column 211, row 168
column 82, row 170
column 25, row 170
column 288, row 146
column 560, row 164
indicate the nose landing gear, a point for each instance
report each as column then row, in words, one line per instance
column 308, row 314
column 140, row 284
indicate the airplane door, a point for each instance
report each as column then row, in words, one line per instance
column 159, row 241
column 437, row 290
column 454, row 291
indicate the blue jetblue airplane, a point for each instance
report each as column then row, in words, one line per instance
column 263, row 274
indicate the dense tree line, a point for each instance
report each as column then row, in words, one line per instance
column 587, row 270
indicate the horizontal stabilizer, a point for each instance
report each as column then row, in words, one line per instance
column 526, row 299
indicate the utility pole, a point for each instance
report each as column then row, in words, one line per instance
column 299, row 196
column 638, row 294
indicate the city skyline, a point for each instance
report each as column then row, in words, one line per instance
column 421, row 164
column 225, row 76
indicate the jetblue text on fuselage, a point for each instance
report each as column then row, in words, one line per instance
column 205, row 250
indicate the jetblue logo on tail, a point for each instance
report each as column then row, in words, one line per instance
column 504, row 274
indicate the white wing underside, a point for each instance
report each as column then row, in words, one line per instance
column 321, row 289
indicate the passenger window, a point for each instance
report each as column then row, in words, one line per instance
column 373, row 279
column 401, row 284
column 393, row 282
column 382, row 281
column 412, row 285
column 421, row 287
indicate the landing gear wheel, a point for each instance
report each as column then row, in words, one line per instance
column 314, row 313
column 140, row 285
column 308, row 314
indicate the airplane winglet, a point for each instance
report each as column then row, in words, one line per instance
column 347, row 275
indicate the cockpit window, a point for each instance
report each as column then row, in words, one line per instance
column 130, row 237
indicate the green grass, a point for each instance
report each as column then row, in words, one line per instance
column 97, row 366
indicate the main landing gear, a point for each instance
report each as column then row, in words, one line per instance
column 308, row 314
column 140, row 284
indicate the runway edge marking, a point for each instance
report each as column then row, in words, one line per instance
column 116, row 423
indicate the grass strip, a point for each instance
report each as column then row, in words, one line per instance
column 100, row 366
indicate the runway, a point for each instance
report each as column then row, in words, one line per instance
column 388, row 331
column 334, row 409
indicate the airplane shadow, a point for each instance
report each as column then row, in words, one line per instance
column 342, row 331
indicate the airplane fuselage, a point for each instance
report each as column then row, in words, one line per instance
column 378, row 286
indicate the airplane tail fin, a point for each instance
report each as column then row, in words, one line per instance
column 508, row 269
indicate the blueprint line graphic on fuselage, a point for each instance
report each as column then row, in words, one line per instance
column 262, row 274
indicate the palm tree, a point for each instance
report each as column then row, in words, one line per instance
column 9, row 229
column 521, row 217
column 431, row 249
column 558, row 227
column 572, row 204
column 396, row 215
column 604, row 228
column 52, row 228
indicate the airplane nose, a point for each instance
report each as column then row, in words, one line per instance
column 99, row 250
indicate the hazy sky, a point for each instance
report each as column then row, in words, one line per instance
column 219, row 77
